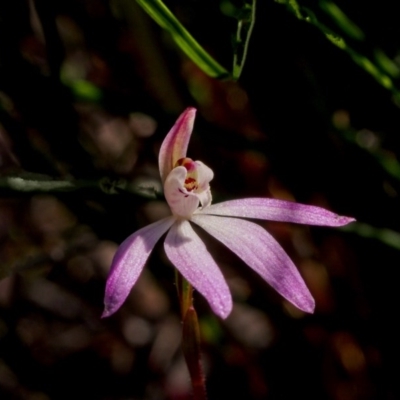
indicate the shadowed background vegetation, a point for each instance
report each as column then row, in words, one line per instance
column 88, row 91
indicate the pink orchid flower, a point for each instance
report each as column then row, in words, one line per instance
column 187, row 191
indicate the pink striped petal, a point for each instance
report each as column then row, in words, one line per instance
column 257, row 248
column 129, row 261
column 175, row 144
column 277, row 210
column 191, row 257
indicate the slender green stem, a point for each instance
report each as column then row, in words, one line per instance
column 37, row 183
column 191, row 337
column 185, row 293
column 242, row 38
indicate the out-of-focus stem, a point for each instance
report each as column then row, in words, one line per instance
column 191, row 337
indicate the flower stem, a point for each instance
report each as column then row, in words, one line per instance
column 191, row 337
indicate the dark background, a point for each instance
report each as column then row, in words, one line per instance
column 88, row 91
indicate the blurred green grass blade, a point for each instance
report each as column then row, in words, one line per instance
column 245, row 25
column 164, row 17
column 85, row 90
column 390, row 165
column 386, row 64
column 386, row 160
column 294, row 7
column 341, row 19
column 386, row 236
column 305, row 14
column 373, row 70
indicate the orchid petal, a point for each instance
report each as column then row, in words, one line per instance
column 277, row 210
column 257, row 248
column 205, row 198
column 205, row 175
column 191, row 257
column 181, row 202
column 175, row 144
column 129, row 261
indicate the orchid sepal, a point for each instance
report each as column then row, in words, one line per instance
column 277, row 210
column 175, row 144
column 128, row 263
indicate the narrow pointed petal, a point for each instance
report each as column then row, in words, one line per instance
column 175, row 144
column 129, row 261
column 257, row 248
column 277, row 210
column 191, row 257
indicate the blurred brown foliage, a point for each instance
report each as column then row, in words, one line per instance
column 88, row 90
